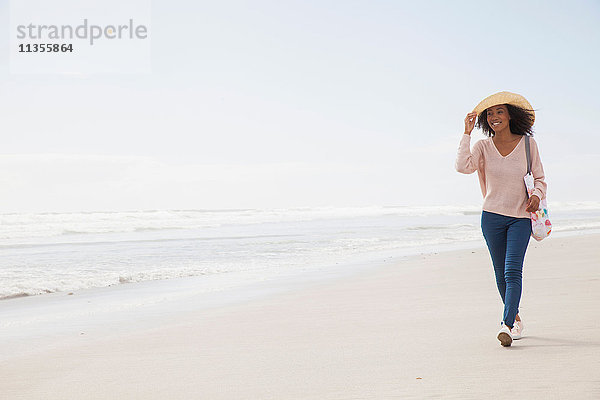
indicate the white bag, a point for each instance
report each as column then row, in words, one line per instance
column 540, row 221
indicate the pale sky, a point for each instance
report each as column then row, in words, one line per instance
column 303, row 103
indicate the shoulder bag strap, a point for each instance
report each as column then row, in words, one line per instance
column 527, row 152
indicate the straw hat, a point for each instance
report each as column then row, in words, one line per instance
column 504, row 98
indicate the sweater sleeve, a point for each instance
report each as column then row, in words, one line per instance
column 468, row 162
column 537, row 169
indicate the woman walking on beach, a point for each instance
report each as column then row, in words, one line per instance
column 501, row 163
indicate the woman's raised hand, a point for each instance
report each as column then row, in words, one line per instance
column 470, row 120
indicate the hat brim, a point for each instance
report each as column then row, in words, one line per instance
column 504, row 98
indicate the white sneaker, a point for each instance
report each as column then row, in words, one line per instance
column 504, row 336
column 517, row 330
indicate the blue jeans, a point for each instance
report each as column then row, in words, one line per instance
column 507, row 239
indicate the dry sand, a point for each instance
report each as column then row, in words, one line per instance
column 421, row 328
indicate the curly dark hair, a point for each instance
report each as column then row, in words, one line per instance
column 521, row 121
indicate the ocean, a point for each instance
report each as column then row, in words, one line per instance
column 64, row 252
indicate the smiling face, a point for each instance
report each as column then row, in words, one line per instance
column 497, row 117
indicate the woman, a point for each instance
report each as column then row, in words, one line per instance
column 501, row 163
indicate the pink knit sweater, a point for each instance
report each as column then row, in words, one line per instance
column 501, row 178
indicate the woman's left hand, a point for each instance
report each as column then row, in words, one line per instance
column 533, row 204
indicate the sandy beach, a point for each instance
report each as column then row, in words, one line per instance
column 421, row 327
